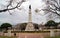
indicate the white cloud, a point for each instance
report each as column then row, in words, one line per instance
column 20, row 16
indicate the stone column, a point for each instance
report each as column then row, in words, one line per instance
column 9, row 31
column 52, row 34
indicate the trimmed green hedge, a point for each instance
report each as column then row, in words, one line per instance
column 30, row 31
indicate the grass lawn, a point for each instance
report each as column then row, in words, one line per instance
column 6, row 37
column 53, row 37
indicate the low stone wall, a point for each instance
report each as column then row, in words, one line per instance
column 26, row 34
column 6, row 34
column 57, row 33
column 22, row 35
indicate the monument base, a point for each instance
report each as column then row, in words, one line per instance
column 30, row 27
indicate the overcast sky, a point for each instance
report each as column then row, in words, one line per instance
column 20, row 16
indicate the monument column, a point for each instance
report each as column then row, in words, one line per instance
column 30, row 26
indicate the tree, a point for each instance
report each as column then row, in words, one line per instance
column 53, row 6
column 6, row 25
column 23, row 26
column 51, row 9
column 10, row 5
column 51, row 23
column 35, row 26
column 0, row 28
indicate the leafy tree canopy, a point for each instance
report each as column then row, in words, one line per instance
column 51, row 23
column 6, row 25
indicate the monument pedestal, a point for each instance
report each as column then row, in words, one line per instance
column 30, row 27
